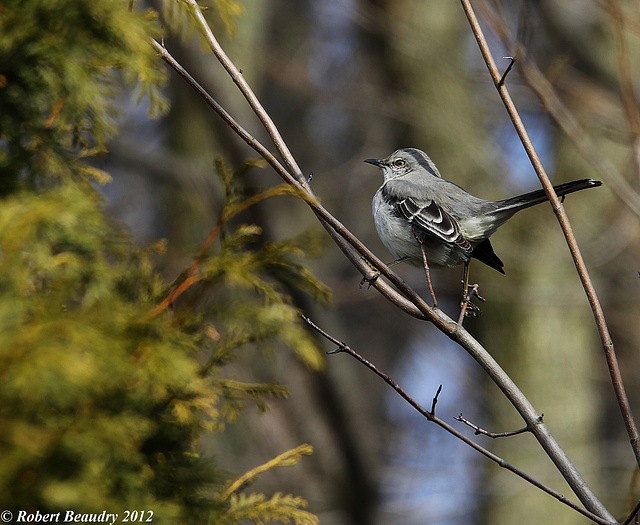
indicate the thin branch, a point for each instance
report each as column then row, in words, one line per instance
column 634, row 513
column 563, row 220
column 434, row 402
column 431, row 416
column 607, row 343
column 493, row 435
column 512, row 61
column 245, row 89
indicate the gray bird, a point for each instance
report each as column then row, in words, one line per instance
column 424, row 219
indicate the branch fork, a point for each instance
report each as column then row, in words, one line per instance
column 493, row 435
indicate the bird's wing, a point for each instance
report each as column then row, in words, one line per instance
column 430, row 219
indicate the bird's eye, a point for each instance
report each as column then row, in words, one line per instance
column 399, row 163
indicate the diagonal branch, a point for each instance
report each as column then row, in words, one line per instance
column 352, row 247
column 603, row 330
column 633, row 514
column 431, row 416
column 245, row 89
column 493, row 435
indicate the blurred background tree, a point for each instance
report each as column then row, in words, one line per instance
column 347, row 80
column 107, row 382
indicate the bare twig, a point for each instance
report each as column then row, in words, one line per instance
column 563, row 220
column 435, row 400
column 632, row 515
column 512, row 61
column 245, row 89
column 493, row 435
column 431, row 416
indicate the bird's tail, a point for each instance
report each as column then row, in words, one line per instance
column 520, row 202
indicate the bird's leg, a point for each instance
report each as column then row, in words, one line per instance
column 426, row 271
column 374, row 277
column 466, row 304
column 465, row 296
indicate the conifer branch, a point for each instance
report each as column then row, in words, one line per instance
column 286, row 459
column 190, row 278
column 280, row 508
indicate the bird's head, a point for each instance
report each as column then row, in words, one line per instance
column 405, row 161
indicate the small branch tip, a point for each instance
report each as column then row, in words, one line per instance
column 493, row 435
column 506, row 71
column 435, row 401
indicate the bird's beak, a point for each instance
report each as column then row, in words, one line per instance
column 375, row 162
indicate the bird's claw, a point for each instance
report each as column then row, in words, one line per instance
column 373, row 278
column 369, row 280
column 470, row 309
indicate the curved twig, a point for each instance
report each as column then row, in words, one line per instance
column 493, row 435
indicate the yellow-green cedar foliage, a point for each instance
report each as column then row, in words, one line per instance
column 62, row 63
column 101, row 403
column 105, row 388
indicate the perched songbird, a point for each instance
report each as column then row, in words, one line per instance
column 428, row 221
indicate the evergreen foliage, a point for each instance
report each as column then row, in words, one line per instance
column 62, row 65
column 109, row 378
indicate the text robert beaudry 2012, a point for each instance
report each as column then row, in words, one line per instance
column 70, row 516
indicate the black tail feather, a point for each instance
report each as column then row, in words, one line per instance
column 535, row 197
column 484, row 253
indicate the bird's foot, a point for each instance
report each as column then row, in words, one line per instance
column 468, row 308
column 371, row 279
